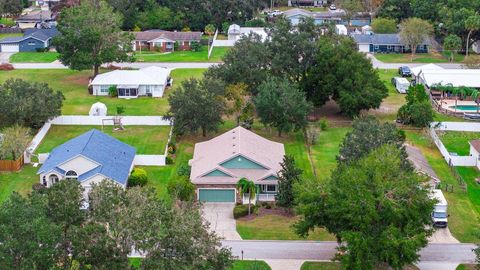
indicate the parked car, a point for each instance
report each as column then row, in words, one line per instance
column 333, row 7
column 404, row 71
column 401, row 84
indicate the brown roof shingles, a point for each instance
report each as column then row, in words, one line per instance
column 175, row 36
column 476, row 145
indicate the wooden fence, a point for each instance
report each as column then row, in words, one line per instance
column 11, row 165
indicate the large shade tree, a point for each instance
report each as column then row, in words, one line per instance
column 28, row 104
column 413, row 32
column 377, row 210
column 90, row 35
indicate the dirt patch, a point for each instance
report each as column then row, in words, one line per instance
column 78, row 79
column 272, row 211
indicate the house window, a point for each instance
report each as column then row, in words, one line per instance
column 271, row 188
column 44, row 180
column 53, row 179
column 148, row 89
column 71, row 175
column 127, row 92
column 104, row 88
column 169, row 45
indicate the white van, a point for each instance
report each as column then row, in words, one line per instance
column 439, row 214
column 401, row 84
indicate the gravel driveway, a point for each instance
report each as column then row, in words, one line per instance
column 220, row 217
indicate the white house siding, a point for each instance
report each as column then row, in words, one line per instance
column 79, row 164
column 364, row 48
column 476, row 156
column 96, row 91
column 157, row 90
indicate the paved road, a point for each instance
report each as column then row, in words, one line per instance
column 311, row 250
column 55, row 65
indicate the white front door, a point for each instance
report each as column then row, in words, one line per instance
column 10, row 48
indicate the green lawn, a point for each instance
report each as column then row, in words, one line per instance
column 2, row 36
column 276, row 227
column 321, row 266
column 20, row 181
column 182, row 56
column 237, row 265
column 147, row 140
column 464, row 213
column 250, row 265
column 78, row 101
column 466, row 267
column 457, row 141
column 419, row 58
column 34, row 57
column 325, row 151
column 7, row 21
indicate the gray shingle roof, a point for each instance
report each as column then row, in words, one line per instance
column 380, row 39
column 115, row 157
column 40, row 34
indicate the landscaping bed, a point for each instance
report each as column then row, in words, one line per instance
column 73, row 85
column 148, row 140
column 457, row 141
column 182, row 56
column 34, row 57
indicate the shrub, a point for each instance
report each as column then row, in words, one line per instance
column 240, row 211
column 323, row 124
column 181, row 189
column 172, row 148
column 195, row 46
column 184, row 170
column 138, row 177
column 120, row 110
column 112, row 91
column 168, row 160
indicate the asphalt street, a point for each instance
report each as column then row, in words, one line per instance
column 314, row 250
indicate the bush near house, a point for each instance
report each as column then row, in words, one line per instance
column 138, row 177
column 241, row 210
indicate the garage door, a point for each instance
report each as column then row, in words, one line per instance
column 216, row 195
column 364, row 47
column 10, row 48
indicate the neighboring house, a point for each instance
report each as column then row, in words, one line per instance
column 32, row 40
column 385, row 43
column 475, row 151
column 340, row 29
column 44, row 3
column 327, row 17
column 149, row 81
column 455, row 77
column 219, row 163
column 164, row 41
column 307, row 3
column 35, row 19
column 89, row 158
column 235, row 32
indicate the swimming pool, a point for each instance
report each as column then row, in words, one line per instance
column 464, row 107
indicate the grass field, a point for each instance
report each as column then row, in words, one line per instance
column 464, row 213
column 276, row 227
column 20, row 181
column 2, row 36
column 466, row 267
column 237, row 265
column 457, row 141
column 419, row 58
column 78, row 101
column 182, row 56
column 321, row 266
column 34, row 57
column 148, row 140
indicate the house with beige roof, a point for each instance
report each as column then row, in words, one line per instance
column 219, row 163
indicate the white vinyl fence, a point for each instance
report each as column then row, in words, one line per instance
column 453, row 160
column 145, row 160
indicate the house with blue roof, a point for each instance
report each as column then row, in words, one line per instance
column 33, row 39
column 89, row 158
column 385, row 43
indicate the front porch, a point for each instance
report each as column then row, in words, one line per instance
column 265, row 193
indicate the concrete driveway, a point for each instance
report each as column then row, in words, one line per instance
column 5, row 57
column 443, row 235
column 220, row 217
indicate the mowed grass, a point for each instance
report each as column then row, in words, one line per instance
column 390, row 105
column 147, row 140
column 276, row 227
column 464, row 213
column 418, row 58
column 73, row 85
column 5, row 35
column 250, row 265
column 182, row 56
column 20, row 181
column 321, row 266
column 34, row 57
column 457, row 141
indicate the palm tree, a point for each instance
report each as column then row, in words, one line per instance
column 474, row 94
column 247, row 186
